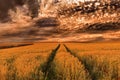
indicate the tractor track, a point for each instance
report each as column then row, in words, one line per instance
column 72, row 53
column 48, row 64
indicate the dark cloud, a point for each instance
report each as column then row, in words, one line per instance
column 100, row 27
column 6, row 5
column 31, row 32
column 21, row 32
column 48, row 22
column 34, row 31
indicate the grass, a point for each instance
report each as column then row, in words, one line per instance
column 68, row 67
column 71, row 61
column 47, row 66
column 24, row 63
column 100, row 59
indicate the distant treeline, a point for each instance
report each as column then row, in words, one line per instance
column 14, row 45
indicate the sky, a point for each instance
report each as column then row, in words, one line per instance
column 75, row 1
column 49, row 28
column 29, row 32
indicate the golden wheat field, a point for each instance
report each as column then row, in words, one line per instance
column 61, row 61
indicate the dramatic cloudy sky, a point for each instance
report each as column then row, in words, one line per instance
column 49, row 29
column 27, row 31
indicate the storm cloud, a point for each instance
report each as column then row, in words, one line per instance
column 35, row 30
column 6, row 5
column 86, row 27
column 40, row 31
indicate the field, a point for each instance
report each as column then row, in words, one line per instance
column 61, row 61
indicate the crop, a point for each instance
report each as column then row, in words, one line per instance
column 67, row 67
column 24, row 63
column 100, row 59
column 68, row 61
